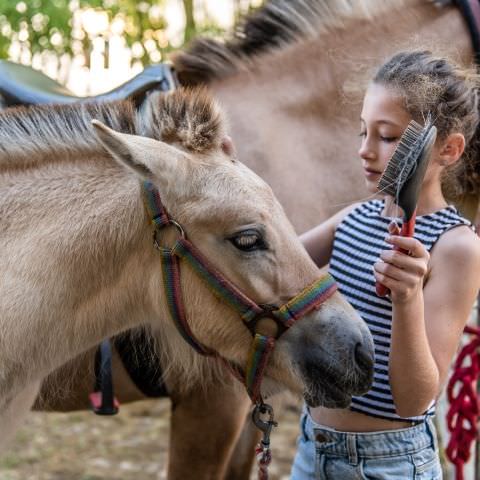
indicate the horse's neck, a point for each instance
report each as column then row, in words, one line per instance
column 76, row 263
column 292, row 122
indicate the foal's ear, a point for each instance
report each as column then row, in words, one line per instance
column 150, row 159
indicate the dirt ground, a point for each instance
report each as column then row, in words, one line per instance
column 133, row 445
column 128, row 446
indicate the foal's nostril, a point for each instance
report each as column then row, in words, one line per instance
column 363, row 358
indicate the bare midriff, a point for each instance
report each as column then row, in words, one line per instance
column 345, row 420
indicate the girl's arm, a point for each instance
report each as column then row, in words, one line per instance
column 319, row 240
column 428, row 321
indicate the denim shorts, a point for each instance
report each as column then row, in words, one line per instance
column 327, row 454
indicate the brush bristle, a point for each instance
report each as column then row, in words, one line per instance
column 403, row 161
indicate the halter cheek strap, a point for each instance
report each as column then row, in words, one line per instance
column 250, row 312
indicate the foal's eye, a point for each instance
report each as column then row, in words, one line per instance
column 248, row 241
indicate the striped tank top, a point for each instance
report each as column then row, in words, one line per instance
column 358, row 241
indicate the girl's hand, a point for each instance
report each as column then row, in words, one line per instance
column 403, row 274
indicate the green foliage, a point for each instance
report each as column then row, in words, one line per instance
column 47, row 25
column 36, row 24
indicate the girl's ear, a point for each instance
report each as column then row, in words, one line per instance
column 452, row 149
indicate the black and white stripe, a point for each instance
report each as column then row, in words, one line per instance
column 359, row 239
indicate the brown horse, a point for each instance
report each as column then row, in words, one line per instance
column 288, row 81
column 78, row 261
column 291, row 84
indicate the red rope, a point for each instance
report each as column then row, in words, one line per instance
column 463, row 413
column 264, row 457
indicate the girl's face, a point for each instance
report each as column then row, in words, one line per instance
column 383, row 120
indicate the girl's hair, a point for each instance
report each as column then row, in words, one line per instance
column 435, row 86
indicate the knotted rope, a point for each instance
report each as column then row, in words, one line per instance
column 264, row 457
column 463, row 412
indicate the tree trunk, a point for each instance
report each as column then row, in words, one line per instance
column 190, row 27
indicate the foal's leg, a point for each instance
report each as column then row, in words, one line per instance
column 205, row 426
column 14, row 412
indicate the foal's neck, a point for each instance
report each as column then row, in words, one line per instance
column 76, row 237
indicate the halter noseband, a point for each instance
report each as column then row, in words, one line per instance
column 250, row 312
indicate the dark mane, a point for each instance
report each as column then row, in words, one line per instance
column 277, row 24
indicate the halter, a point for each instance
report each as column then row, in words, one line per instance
column 250, row 312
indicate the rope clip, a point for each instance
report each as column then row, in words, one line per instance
column 265, row 426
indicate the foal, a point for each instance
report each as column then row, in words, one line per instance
column 78, row 263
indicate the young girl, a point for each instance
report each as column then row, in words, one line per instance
column 388, row 433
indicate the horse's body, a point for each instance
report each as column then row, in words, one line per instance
column 285, row 86
column 78, row 262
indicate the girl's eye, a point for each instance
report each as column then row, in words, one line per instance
column 388, row 139
column 248, row 241
column 362, row 134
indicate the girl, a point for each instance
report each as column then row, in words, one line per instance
column 388, row 433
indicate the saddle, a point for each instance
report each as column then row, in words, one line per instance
column 22, row 85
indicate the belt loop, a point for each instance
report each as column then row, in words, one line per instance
column 352, row 449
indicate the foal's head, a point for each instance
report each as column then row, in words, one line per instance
column 232, row 216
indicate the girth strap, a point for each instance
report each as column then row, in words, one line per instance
column 142, row 362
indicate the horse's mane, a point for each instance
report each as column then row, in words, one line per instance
column 275, row 25
column 187, row 117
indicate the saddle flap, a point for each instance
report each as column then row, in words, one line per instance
column 23, row 85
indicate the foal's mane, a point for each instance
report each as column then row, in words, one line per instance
column 28, row 135
column 277, row 24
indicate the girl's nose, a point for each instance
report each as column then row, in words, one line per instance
column 365, row 150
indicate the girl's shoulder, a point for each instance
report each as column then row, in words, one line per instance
column 461, row 240
column 458, row 248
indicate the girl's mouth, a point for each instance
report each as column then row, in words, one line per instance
column 369, row 173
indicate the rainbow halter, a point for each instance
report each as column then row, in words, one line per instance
column 250, row 312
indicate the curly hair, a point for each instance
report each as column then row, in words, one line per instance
column 435, row 86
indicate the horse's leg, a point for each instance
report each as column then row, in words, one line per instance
column 242, row 458
column 15, row 411
column 205, row 426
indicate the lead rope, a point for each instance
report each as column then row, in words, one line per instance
column 262, row 450
column 463, row 413
column 262, row 347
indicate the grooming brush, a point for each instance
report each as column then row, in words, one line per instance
column 403, row 176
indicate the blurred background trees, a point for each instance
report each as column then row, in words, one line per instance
column 68, row 39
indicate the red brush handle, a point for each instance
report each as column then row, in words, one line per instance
column 408, row 228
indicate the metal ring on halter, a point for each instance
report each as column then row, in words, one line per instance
column 173, row 223
column 268, row 311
